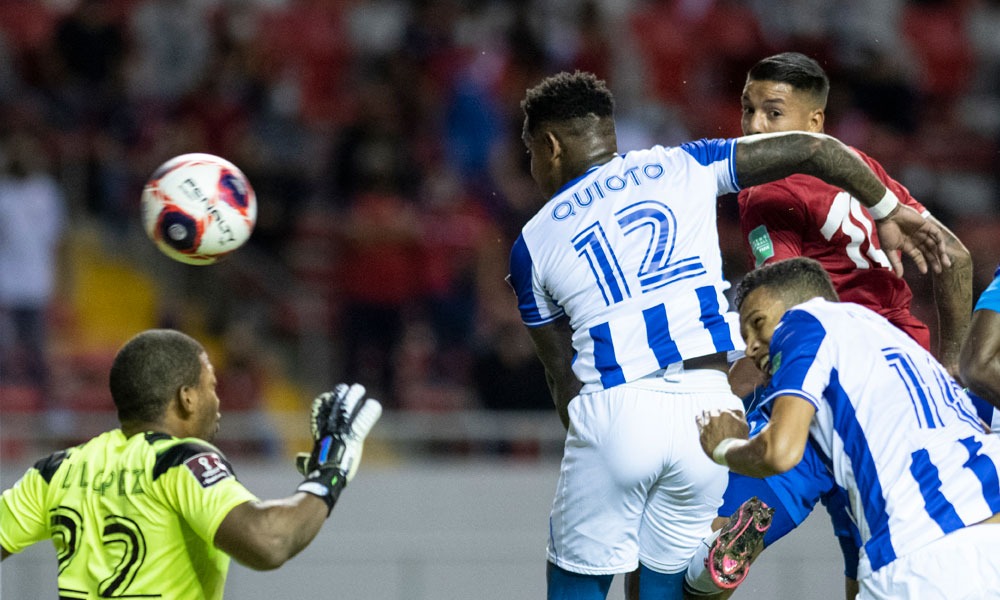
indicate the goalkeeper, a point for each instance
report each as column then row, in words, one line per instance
column 152, row 509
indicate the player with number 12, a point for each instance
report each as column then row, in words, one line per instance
column 619, row 280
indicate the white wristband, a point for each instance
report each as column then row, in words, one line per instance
column 719, row 454
column 886, row 205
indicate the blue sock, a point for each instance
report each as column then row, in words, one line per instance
column 660, row 586
column 564, row 585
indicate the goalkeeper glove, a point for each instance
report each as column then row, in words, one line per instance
column 340, row 421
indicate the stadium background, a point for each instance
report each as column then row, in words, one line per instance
column 383, row 140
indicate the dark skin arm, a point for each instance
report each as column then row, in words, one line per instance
column 953, row 298
column 264, row 535
column 980, row 356
column 554, row 346
column 768, row 157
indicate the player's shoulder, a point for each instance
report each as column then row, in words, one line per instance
column 205, row 462
column 871, row 162
column 826, row 315
column 817, row 308
column 703, row 151
column 709, row 150
column 789, row 190
column 49, row 465
column 805, row 319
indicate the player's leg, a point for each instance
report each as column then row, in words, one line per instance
column 729, row 552
column 741, row 488
column 606, row 471
column 566, row 585
column 683, row 502
column 788, row 498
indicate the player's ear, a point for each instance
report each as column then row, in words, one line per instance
column 553, row 144
column 185, row 399
column 817, row 118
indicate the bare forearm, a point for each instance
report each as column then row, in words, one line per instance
column 752, row 459
column 562, row 393
column 985, row 382
column 264, row 535
column 953, row 298
column 764, row 158
column 775, row 449
column 554, row 346
column 293, row 522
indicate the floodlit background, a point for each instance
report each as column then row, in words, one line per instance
column 382, row 139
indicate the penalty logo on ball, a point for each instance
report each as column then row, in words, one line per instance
column 198, row 208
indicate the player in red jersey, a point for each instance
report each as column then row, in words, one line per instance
column 803, row 216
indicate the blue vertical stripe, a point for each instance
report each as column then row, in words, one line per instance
column 929, row 480
column 658, row 335
column 985, row 471
column 520, row 280
column 984, row 410
column 917, row 385
column 604, row 356
column 914, row 386
column 845, row 422
column 712, row 319
column 954, row 398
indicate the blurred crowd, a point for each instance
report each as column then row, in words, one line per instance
column 383, row 140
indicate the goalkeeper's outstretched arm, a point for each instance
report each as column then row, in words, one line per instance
column 264, row 535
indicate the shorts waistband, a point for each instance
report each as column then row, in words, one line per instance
column 711, row 362
column 677, row 379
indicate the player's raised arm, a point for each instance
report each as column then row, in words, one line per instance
column 952, row 290
column 263, row 535
column 767, row 157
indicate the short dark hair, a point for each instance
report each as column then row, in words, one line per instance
column 566, row 96
column 794, row 280
column 150, row 369
column 797, row 70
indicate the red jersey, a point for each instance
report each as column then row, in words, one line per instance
column 804, row 216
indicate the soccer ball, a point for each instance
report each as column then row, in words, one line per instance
column 198, row 208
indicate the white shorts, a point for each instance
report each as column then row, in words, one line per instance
column 962, row 565
column 634, row 483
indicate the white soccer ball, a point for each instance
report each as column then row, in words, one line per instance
column 198, row 208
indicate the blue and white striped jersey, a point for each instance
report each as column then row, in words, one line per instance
column 900, row 435
column 629, row 251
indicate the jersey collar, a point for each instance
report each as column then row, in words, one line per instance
column 576, row 179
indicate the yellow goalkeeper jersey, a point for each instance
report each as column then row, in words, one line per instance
column 129, row 517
